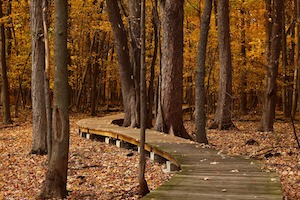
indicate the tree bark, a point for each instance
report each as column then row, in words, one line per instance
column 155, row 21
column 200, row 117
column 55, row 182
column 126, row 72
column 285, row 99
column 169, row 117
column 6, row 117
column 243, row 78
column 268, row 115
column 142, row 162
column 46, row 78
column 39, row 119
column 135, row 32
column 223, row 113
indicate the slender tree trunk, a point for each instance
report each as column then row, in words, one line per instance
column 39, row 119
column 46, row 78
column 296, row 61
column 200, row 117
column 6, row 117
column 8, row 30
column 135, row 32
column 95, row 71
column 268, row 116
column 126, row 72
column 142, row 181
column 298, row 54
column 243, row 84
column 55, row 182
column 224, row 107
column 155, row 22
column 169, row 117
column 285, row 101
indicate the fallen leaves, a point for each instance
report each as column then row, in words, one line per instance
column 96, row 170
column 275, row 150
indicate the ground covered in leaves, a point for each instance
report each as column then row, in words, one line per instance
column 96, row 170
column 100, row 171
column 276, row 150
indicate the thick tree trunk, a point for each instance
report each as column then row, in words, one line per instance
column 6, row 117
column 169, row 117
column 268, row 116
column 223, row 113
column 39, row 119
column 200, row 117
column 55, row 182
column 126, row 72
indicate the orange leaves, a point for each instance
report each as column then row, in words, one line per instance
column 96, row 170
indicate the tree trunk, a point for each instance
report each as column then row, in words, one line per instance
column 200, row 117
column 223, row 113
column 126, row 72
column 169, row 117
column 55, row 182
column 135, row 32
column 8, row 30
column 268, row 116
column 243, row 83
column 142, row 163
column 6, row 117
column 39, row 119
column 155, row 22
column 46, row 78
column 296, row 61
column 285, row 101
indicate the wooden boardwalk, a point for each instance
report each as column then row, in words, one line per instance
column 203, row 173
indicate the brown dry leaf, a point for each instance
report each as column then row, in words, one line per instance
column 96, row 170
column 275, row 150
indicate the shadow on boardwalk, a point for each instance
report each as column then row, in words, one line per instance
column 204, row 173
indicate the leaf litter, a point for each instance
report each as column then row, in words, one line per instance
column 277, row 150
column 96, row 170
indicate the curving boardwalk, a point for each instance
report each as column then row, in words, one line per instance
column 203, row 173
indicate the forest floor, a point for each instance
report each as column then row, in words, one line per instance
column 277, row 151
column 101, row 171
column 96, row 170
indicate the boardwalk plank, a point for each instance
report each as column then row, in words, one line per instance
column 205, row 173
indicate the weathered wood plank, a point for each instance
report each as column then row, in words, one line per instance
column 205, row 173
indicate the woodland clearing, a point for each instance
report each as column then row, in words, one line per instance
column 98, row 170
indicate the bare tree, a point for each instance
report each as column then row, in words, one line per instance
column 39, row 119
column 126, row 72
column 55, row 182
column 268, row 115
column 200, row 116
column 142, row 181
column 6, row 117
column 135, row 44
column 169, row 118
column 223, row 115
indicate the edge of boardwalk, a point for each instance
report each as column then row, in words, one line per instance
column 204, row 173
